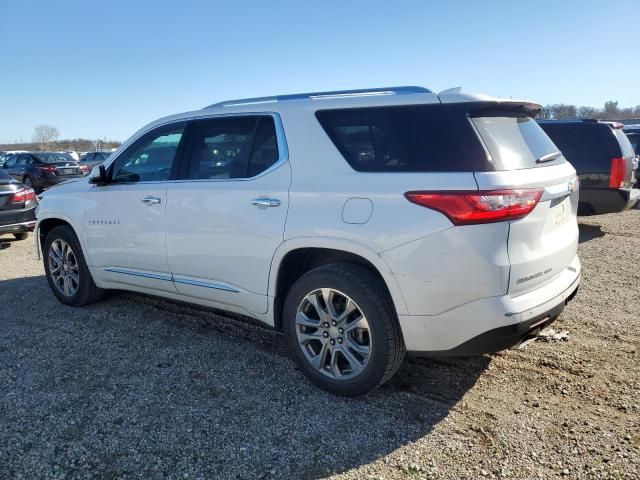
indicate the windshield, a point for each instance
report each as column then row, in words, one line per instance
column 4, row 175
column 53, row 157
column 517, row 142
column 625, row 145
column 634, row 138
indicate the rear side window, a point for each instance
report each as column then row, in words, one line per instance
column 416, row 138
column 232, row 147
column 517, row 142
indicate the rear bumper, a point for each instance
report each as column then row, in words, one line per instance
column 603, row 200
column 17, row 221
column 490, row 324
column 18, row 227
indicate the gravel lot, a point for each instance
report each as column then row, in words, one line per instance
column 140, row 387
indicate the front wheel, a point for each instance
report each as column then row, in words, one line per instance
column 21, row 236
column 66, row 268
column 342, row 329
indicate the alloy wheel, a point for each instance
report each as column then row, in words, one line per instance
column 333, row 334
column 63, row 267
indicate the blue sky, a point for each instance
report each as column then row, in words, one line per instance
column 104, row 70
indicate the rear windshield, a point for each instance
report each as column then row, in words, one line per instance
column 415, row 138
column 53, row 157
column 4, row 175
column 584, row 144
column 517, row 142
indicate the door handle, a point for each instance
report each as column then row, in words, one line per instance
column 150, row 200
column 265, row 202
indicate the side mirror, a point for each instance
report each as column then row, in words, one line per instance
column 99, row 176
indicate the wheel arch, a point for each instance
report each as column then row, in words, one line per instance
column 47, row 223
column 297, row 256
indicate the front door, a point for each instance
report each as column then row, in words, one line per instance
column 226, row 216
column 125, row 219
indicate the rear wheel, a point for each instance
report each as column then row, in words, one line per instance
column 66, row 268
column 342, row 329
column 21, row 236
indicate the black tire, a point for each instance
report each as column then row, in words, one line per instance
column 21, row 236
column 87, row 292
column 372, row 298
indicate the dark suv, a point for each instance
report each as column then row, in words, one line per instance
column 604, row 160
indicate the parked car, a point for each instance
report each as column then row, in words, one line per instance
column 40, row 170
column 362, row 224
column 92, row 159
column 17, row 207
column 604, row 159
column 73, row 154
column 5, row 155
column 633, row 134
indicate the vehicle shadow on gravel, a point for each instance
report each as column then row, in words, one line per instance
column 138, row 386
column 589, row 232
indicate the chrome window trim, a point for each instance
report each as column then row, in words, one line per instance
column 281, row 139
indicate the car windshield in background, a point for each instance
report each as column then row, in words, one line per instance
column 634, row 138
column 517, row 142
column 625, row 144
column 53, row 157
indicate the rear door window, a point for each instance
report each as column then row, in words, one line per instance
column 516, row 142
column 231, row 147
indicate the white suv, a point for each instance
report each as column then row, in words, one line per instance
column 362, row 224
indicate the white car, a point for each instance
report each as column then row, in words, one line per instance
column 363, row 224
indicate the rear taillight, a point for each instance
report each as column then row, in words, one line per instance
column 23, row 195
column 618, row 172
column 48, row 168
column 470, row 207
column 84, row 168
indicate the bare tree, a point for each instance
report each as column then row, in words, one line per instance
column 43, row 134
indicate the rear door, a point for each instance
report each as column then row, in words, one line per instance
column 543, row 244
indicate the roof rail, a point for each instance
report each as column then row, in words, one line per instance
column 323, row 95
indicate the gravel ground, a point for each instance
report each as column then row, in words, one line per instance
column 140, row 387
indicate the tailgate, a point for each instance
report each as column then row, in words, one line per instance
column 544, row 243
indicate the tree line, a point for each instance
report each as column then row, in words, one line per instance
column 45, row 137
column 611, row 111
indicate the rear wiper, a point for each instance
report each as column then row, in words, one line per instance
column 548, row 157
